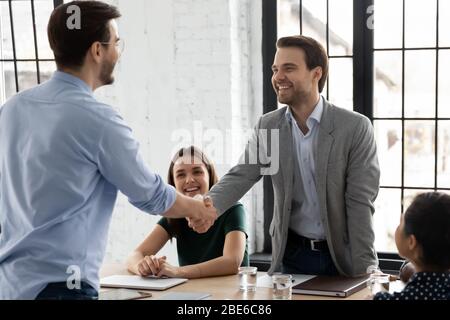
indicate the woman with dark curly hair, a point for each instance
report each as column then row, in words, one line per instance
column 423, row 237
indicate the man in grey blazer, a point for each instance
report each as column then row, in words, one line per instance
column 328, row 175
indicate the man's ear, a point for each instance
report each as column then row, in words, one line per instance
column 318, row 72
column 95, row 51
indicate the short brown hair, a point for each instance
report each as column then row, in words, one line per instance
column 71, row 45
column 315, row 54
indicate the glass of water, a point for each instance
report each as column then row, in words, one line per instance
column 378, row 282
column 247, row 278
column 282, row 286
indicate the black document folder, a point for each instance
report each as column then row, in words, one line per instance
column 334, row 286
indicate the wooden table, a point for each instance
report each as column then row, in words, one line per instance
column 222, row 288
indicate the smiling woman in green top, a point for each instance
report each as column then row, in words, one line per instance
column 219, row 251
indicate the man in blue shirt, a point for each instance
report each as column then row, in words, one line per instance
column 63, row 158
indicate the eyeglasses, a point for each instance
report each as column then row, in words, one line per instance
column 119, row 44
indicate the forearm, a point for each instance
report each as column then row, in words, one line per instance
column 216, row 267
column 182, row 207
column 359, row 211
column 361, row 231
column 363, row 179
column 233, row 186
column 133, row 260
column 243, row 176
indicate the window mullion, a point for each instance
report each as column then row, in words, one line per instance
column 436, row 134
column 363, row 58
column 36, row 51
column 270, row 102
column 11, row 18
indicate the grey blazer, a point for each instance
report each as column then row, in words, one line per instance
column 347, row 181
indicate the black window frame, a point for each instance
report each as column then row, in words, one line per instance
column 36, row 59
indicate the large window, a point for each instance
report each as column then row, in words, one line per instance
column 331, row 23
column 25, row 56
column 411, row 111
column 389, row 59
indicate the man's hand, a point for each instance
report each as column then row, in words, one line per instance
column 207, row 217
column 200, row 211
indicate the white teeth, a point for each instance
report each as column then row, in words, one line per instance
column 191, row 189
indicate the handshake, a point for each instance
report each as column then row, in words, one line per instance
column 204, row 215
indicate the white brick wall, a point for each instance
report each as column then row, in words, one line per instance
column 188, row 64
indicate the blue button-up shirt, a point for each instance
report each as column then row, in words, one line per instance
column 305, row 216
column 63, row 157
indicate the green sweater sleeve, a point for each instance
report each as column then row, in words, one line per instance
column 163, row 222
column 235, row 219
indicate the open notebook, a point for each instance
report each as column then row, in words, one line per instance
column 336, row 286
column 138, row 282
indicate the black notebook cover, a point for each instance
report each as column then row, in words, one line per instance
column 334, row 286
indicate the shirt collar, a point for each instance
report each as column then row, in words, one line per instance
column 66, row 77
column 316, row 114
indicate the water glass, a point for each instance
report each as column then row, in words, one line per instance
column 282, row 287
column 378, row 282
column 247, row 278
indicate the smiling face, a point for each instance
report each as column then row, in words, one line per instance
column 292, row 81
column 191, row 176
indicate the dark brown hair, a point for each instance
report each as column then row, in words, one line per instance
column 315, row 54
column 428, row 219
column 193, row 152
column 71, row 45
